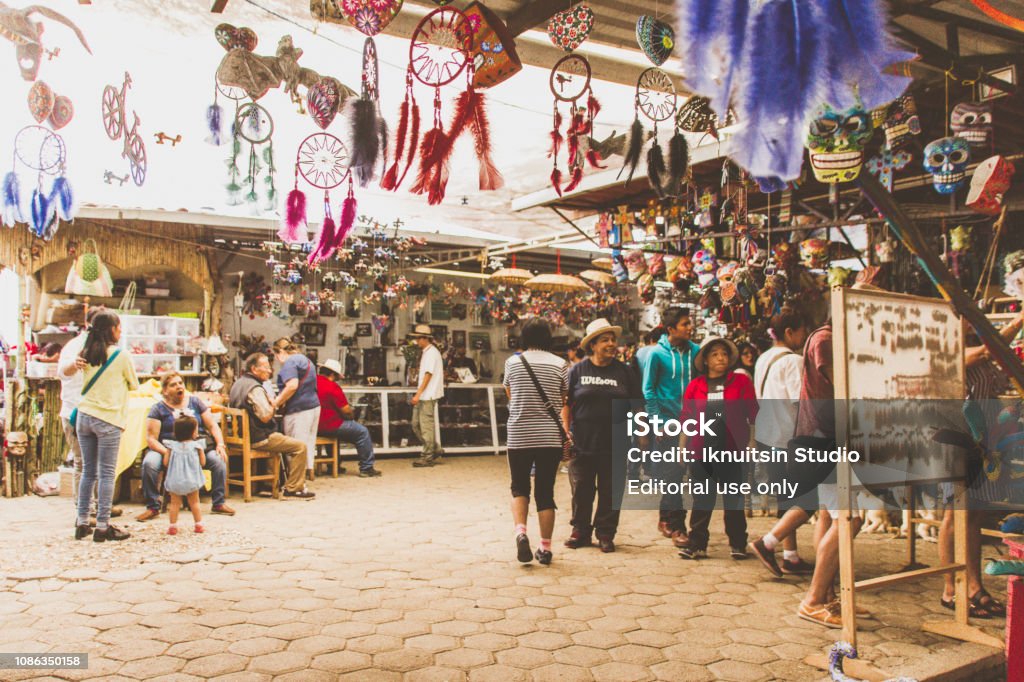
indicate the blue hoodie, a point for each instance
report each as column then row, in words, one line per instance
column 668, row 370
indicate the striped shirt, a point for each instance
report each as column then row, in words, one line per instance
column 529, row 422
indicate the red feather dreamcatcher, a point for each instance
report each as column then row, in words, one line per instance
column 439, row 52
column 569, row 82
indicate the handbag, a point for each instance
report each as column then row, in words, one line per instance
column 568, row 447
column 127, row 306
column 89, row 276
column 73, row 419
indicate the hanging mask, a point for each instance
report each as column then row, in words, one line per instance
column 946, row 159
column 901, row 122
column 972, row 122
column 960, row 239
column 656, row 264
column 836, row 142
column 705, row 263
column 989, row 184
column 730, row 294
column 838, row 276
column 645, row 287
column 814, row 253
column 886, row 251
column 785, row 255
column 635, row 264
column 727, row 272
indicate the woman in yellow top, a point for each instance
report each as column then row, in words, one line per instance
column 108, row 378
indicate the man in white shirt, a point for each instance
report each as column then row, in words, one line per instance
column 431, row 389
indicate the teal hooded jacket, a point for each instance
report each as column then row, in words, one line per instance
column 667, row 372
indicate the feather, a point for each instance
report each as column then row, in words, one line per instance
column 490, row 177
column 714, row 32
column 556, row 137
column 594, row 158
column 414, row 140
column 556, row 180
column 593, row 107
column 62, row 199
column 430, row 151
column 213, row 122
column 12, row 214
column 438, row 182
column 42, row 214
column 364, row 140
column 769, row 184
column 390, row 181
column 634, row 147
column 784, row 78
column 383, row 133
column 294, row 228
column 348, row 219
column 678, row 162
column 575, row 178
column 656, row 168
column 325, row 243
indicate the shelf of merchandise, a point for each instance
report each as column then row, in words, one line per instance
column 159, row 344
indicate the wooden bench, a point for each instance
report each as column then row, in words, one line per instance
column 331, row 446
column 235, row 427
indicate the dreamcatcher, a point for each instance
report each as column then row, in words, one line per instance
column 43, row 151
column 570, row 80
column 439, row 52
column 253, row 125
column 215, row 113
column 656, row 99
column 323, row 161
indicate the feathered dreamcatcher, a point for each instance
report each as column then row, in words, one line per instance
column 656, row 99
column 215, row 113
column 569, row 82
column 253, row 125
column 439, row 52
column 323, row 161
column 43, row 151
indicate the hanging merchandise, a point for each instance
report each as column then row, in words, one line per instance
column 973, row 122
column 115, row 122
column 253, row 125
column 1013, row 270
column 369, row 17
column 989, row 184
column 836, row 143
column 89, row 276
column 44, row 152
column 705, row 265
column 656, row 99
column 439, row 51
column 369, row 130
column 696, row 116
column 886, row 163
column 494, row 48
column 901, row 122
column 814, row 253
column 18, row 26
column 655, row 38
column 946, row 159
column 45, row 105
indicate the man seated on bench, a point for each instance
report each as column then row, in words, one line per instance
column 248, row 393
column 337, row 418
column 173, row 403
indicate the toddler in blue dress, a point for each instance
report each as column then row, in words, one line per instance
column 183, row 465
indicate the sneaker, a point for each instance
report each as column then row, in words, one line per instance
column 766, row 556
column 301, row 494
column 423, row 462
column 829, row 615
column 738, row 553
column 606, row 544
column 523, row 553
column 82, row 530
column 172, row 530
column 112, row 533
column 148, row 514
column 692, row 554
column 222, row 509
column 577, row 540
column 369, row 473
column 798, row 567
column 543, row 557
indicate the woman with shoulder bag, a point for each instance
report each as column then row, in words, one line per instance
column 601, row 390
column 535, row 382
column 99, row 420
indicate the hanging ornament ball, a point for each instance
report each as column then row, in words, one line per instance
column 63, row 112
column 569, row 28
column 656, row 39
column 40, row 101
column 323, row 100
column 370, row 17
column 231, row 37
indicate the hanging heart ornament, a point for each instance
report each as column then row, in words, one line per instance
column 569, row 28
column 370, row 17
column 40, row 101
column 63, row 112
column 656, row 38
column 323, row 100
column 231, row 37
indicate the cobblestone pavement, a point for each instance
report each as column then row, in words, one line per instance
column 412, row 577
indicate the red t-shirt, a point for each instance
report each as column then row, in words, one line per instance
column 332, row 402
column 817, row 410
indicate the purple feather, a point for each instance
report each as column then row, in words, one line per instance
column 860, row 49
column 714, row 33
column 62, row 199
column 293, row 229
column 42, row 215
column 12, row 214
column 784, row 79
column 213, row 122
column 769, row 184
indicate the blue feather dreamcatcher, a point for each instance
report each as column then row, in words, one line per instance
column 44, row 152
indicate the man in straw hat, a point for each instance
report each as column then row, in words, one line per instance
column 338, row 419
column 431, row 389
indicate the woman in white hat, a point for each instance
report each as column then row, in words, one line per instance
column 726, row 397
column 602, row 389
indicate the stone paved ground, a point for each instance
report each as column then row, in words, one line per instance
column 411, row 577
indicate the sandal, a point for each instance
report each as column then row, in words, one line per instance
column 985, row 601
column 975, row 609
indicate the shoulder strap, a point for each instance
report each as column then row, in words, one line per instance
column 771, row 364
column 97, row 375
column 544, row 396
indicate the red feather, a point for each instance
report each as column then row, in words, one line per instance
column 556, row 180
column 490, row 176
column 390, row 180
column 294, row 227
column 556, row 135
column 348, row 219
column 325, row 244
column 430, row 151
column 594, row 159
column 593, row 106
column 577, row 177
column 414, row 140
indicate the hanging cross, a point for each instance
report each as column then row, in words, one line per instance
column 883, row 165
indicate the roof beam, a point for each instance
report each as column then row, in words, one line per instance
column 938, row 57
column 218, row 6
column 965, row 22
column 531, row 14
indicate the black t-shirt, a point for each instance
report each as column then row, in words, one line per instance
column 716, row 410
column 598, row 398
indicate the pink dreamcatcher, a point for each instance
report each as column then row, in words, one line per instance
column 322, row 160
column 439, row 52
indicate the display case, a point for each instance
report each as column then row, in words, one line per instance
column 158, row 344
column 471, row 418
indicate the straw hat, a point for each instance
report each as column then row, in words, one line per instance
column 421, row 330
column 598, row 276
column 332, row 365
column 598, row 327
column 698, row 361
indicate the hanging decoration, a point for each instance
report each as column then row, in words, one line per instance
column 885, row 163
column 494, row 48
column 989, row 184
column 44, row 152
column 45, row 105
column 946, row 159
column 323, row 101
column 115, row 122
column 369, row 17
column 696, row 116
column 836, row 143
column 972, row 122
column 655, row 38
column 253, row 125
column 215, row 113
column 18, row 26
column 901, row 122
column 656, row 99
column 439, row 52
column 569, row 28
column 369, row 130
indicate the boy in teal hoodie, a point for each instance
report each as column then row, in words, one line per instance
column 668, row 369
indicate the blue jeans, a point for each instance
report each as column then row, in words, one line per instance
column 358, row 435
column 153, row 464
column 99, row 441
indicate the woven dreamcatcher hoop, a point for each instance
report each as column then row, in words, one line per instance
column 253, row 125
column 657, row 100
column 43, row 151
column 570, row 81
column 369, row 131
column 324, row 162
column 439, row 53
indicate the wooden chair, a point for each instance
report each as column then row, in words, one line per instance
column 235, row 427
column 331, row 446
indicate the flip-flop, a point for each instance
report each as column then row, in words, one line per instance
column 990, row 605
column 974, row 610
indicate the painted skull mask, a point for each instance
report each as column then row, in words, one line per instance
column 814, row 253
column 946, row 159
column 17, row 443
column 972, row 122
column 836, row 142
column 727, row 272
column 901, row 122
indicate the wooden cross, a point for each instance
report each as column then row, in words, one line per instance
column 887, row 161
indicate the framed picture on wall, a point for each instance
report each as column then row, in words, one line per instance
column 439, row 332
column 315, row 333
column 458, row 338
column 479, row 340
column 364, row 329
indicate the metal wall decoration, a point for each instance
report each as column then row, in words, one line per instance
column 115, row 122
column 253, row 125
column 44, row 152
column 27, row 35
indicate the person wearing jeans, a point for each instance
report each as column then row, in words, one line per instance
column 337, row 418
column 424, row 403
column 101, row 418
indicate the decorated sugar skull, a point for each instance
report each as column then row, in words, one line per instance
column 814, row 253
column 727, row 271
column 989, row 183
column 705, row 263
column 901, row 122
column 839, row 276
column 946, row 159
column 656, row 264
column 836, row 142
column 17, row 443
column 972, row 122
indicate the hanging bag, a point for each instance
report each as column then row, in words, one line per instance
column 127, row 306
column 89, row 276
column 568, row 447
column 95, row 377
